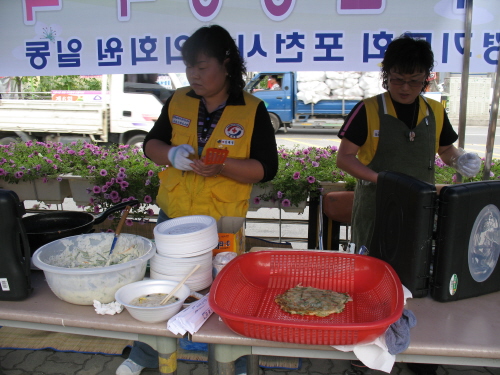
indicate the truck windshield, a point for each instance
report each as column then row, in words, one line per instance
column 264, row 82
column 156, row 84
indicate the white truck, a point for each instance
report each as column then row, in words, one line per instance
column 123, row 115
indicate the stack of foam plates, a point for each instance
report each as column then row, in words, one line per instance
column 181, row 244
column 168, row 268
column 186, row 236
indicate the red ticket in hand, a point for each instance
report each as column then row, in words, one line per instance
column 216, row 156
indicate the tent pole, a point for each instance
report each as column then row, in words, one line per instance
column 493, row 123
column 462, row 119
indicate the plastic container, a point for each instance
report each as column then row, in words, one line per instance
column 82, row 286
column 243, row 296
column 127, row 293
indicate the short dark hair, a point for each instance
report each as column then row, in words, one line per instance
column 407, row 55
column 215, row 41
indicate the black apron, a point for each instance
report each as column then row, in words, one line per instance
column 395, row 152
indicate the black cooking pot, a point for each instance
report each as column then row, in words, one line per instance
column 44, row 228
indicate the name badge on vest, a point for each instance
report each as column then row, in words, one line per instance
column 178, row 120
column 376, row 133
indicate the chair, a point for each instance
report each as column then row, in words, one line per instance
column 337, row 212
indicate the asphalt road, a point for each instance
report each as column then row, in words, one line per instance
column 475, row 139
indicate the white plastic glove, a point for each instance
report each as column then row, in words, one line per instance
column 467, row 164
column 179, row 157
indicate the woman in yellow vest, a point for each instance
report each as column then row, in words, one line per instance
column 213, row 112
column 399, row 130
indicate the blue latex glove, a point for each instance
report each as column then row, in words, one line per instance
column 179, row 157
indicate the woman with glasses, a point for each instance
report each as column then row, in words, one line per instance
column 399, row 130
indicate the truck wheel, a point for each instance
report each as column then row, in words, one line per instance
column 275, row 120
column 8, row 140
column 136, row 140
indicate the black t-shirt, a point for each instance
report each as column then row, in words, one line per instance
column 263, row 144
column 357, row 131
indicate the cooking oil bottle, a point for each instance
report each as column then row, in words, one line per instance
column 15, row 267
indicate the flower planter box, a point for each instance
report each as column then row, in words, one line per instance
column 257, row 190
column 25, row 190
column 50, row 192
column 332, row 186
column 79, row 187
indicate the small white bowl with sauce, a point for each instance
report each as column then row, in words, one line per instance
column 148, row 291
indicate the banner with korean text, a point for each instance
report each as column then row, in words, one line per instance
column 64, row 37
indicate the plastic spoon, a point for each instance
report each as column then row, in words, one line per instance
column 178, row 286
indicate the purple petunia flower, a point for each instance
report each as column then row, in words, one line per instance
column 256, row 200
column 129, row 222
column 150, row 173
column 311, row 179
column 114, row 195
column 315, row 164
column 279, row 194
column 103, row 172
column 148, row 199
column 104, row 188
column 96, row 189
column 296, row 175
column 285, row 203
column 150, row 212
column 19, row 174
column 148, row 182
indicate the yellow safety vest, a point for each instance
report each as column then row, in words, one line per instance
column 186, row 193
column 369, row 148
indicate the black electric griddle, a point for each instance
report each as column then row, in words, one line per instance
column 404, row 222
column 447, row 244
column 467, row 241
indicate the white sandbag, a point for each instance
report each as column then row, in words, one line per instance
column 366, row 82
column 338, row 92
column 310, row 76
column 371, row 74
column 335, row 75
column 306, row 86
column 317, row 87
column 317, row 97
column 350, row 82
column 372, row 92
column 305, row 96
column 352, row 75
column 321, row 88
column 334, row 83
column 354, row 91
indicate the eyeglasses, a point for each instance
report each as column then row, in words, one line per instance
column 411, row 83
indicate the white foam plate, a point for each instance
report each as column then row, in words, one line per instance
column 185, row 226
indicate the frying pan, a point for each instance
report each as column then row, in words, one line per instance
column 44, row 228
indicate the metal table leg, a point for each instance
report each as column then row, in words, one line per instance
column 167, row 352
column 224, row 356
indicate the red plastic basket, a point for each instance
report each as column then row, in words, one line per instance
column 243, row 296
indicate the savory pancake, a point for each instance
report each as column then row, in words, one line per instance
column 312, row 301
